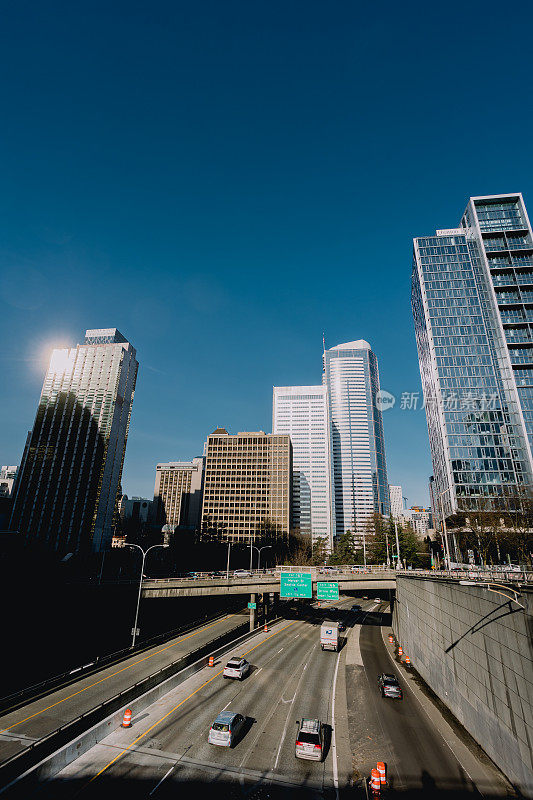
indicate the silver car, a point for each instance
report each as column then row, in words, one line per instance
column 310, row 740
column 236, row 667
column 226, row 728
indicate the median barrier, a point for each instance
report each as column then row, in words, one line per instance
column 46, row 757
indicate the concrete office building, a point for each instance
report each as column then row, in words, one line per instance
column 178, row 493
column 420, row 520
column 247, row 485
column 302, row 413
column 67, row 491
column 136, row 508
column 472, row 300
column 396, row 501
column 356, row 435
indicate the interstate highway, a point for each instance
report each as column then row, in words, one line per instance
column 166, row 750
column 42, row 716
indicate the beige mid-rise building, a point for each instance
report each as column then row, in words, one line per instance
column 178, row 493
column 247, row 485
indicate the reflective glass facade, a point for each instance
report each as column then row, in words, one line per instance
column 71, row 470
column 471, row 323
column 359, row 472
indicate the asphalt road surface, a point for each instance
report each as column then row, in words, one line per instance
column 38, row 718
column 166, row 752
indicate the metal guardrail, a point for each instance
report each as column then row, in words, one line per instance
column 18, row 763
column 273, row 572
column 474, row 574
column 14, row 700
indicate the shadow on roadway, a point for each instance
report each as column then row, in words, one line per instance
column 232, row 785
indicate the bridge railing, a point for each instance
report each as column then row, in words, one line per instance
column 478, row 574
column 275, row 572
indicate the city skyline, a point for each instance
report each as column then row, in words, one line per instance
column 226, row 204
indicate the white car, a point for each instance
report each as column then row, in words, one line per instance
column 236, row 667
column 242, row 573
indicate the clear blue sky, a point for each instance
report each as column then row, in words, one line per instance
column 223, row 181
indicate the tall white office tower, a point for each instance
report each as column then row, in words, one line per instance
column 396, row 501
column 356, row 434
column 69, row 481
column 302, row 412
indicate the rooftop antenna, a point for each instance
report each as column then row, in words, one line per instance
column 323, row 341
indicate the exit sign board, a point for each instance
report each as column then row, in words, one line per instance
column 326, row 590
column 252, row 605
column 296, row 584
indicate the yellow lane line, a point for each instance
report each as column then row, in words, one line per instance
column 159, row 721
column 118, row 672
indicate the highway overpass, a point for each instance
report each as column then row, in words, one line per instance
column 260, row 582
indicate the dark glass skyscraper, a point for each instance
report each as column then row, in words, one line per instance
column 70, row 475
column 472, row 300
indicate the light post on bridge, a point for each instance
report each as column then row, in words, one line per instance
column 227, row 562
column 145, row 553
column 265, row 547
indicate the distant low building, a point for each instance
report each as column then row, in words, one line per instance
column 420, row 520
column 7, row 480
column 136, row 508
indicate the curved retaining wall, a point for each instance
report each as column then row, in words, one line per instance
column 475, row 650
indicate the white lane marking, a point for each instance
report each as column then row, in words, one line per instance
column 333, row 740
column 257, row 671
column 297, row 635
column 154, row 790
column 225, row 707
column 279, row 651
column 288, row 716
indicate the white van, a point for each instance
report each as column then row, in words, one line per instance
column 329, row 636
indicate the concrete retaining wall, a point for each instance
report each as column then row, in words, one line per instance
column 475, row 650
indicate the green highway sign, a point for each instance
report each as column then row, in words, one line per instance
column 296, row 584
column 252, row 605
column 326, row 590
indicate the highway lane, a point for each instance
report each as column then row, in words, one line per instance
column 291, row 678
column 401, row 734
column 38, row 718
column 166, row 750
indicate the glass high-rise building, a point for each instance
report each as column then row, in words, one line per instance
column 302, row 412
column 359, row 471
column 472, row 300
column 69, row 481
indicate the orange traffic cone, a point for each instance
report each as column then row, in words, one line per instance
column 407, row 661
column 375, row 782
column 391, row 638
column 382, row 773
column 400, row 651
column 265, row 628
column 126, row 722
column 211, row 661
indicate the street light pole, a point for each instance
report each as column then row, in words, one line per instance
column 398, row 562
column 227, row 562
column 145, row 553
column 444, row 531
column 265, row 547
